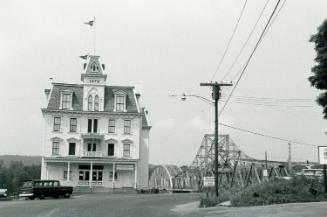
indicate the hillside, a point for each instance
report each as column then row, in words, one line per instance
column 27, row 160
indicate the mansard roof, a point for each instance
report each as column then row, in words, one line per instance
column 77, row 91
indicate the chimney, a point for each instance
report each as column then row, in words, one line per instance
column 47, row 93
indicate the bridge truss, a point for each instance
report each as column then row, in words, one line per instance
column 234, row 168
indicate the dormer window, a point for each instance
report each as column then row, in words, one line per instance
column 96, row 103
column 90, row 103
column 120, row 103
column 94, row 68
column 66, row 100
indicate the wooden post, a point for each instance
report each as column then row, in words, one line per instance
column 233, row 175
column 249, row 175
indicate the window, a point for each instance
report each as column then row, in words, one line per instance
column 90, row 103
column 89, row 125
column 84, row 175
column 66, row 100
column 65, row 176
column 325, row 155
column 120, row 103
column 127, row 126
column 95, row 125
column 111, row 149
column 111, row 176
column 55, row 148
column 96, row 103
column 127, row 150
column 111, row 127
column 56, row 124
column 72, row 147
column 94, row 68
column 97, row 176
column 73, row 125
column 91, row 147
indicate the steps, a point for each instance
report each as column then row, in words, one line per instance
column 100, row 189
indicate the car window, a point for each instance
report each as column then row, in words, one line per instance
column 45, row 184
column 55, row 184
column 27, row 184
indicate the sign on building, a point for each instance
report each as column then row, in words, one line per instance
column 129, row 167
column 208, row 181
column 322, row 154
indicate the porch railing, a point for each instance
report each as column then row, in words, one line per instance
column 93, row 154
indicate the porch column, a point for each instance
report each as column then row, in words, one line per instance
column 91, row 174
column 135, row 176
column 113, row 175
column 68, row 170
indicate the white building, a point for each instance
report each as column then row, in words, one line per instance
column 95, row 135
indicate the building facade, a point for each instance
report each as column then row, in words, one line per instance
column 95, row 135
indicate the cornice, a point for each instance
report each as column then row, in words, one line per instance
column 99, row 113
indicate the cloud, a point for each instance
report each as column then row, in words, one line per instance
column 165, row 123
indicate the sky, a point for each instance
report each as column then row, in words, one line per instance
column 167, row 47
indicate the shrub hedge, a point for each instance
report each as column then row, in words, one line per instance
column 276, row 191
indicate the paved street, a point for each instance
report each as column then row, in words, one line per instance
column 163, row 205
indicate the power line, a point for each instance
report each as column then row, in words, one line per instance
column 250, row 131
column 246, row 41
column 270, row 104
column 272, row 22
column 250, row 57
column 275, row 17
column 265, row 135
column 229, row 41
column 271, row 99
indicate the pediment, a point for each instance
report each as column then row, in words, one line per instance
column 56, row 138
column 72, row 139
column 111, row 140
column 127, row 141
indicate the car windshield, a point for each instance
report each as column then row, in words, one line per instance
column 27, row 184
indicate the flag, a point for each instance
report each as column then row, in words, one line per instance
column 91, row 22
column 84, row 57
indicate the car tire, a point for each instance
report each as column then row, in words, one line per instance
column 67, row 195
column 41, row 197
column 31, row 197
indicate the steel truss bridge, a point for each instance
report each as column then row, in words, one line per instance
column 234, row 168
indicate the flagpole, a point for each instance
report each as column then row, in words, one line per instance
column 94, row 36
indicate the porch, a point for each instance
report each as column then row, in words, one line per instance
column 93, row 174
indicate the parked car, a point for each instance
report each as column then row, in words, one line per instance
column 3, row 192
column 44, row 188
column 311, row 173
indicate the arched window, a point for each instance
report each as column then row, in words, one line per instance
column 96, row 103
column 90, row 103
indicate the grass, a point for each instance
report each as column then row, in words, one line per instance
column 276, row 191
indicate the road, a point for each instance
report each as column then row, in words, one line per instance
column 162, row 205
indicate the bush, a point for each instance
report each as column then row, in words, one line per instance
column 277, row 191
column 209, row 199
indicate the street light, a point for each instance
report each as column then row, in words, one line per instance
column 184, row 97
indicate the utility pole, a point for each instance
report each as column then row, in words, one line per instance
column 266, row 160
column 216, row 87
column 289, row 157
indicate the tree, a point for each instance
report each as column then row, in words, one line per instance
column 319, row 79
